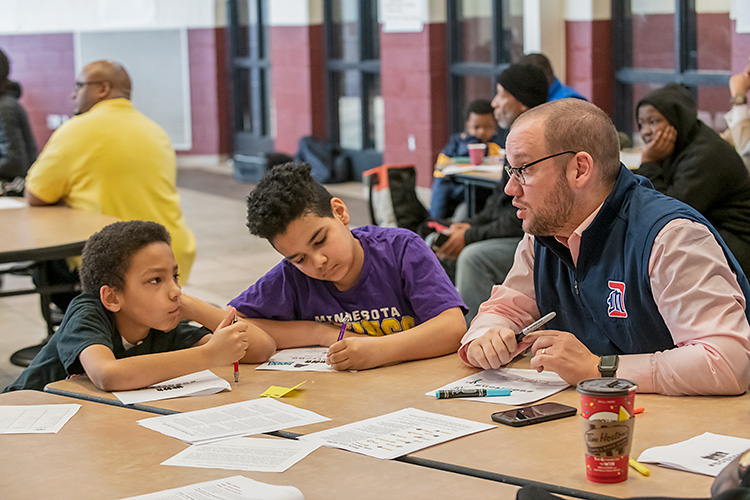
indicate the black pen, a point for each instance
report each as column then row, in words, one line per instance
column 536, row 325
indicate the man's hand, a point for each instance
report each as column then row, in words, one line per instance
column 662, row 146
column 358, row 353
column 564, row 354
column 493, row 349
column 455, row 242
column 739, row 84
column 229, row 342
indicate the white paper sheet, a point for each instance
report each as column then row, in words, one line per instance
column 396, row 434
column 233, row 420
column 527, row 386
column 35, row 419
column 705, row 454
column 230, row 488
column 195, row 384
column 8, row 203
column 249, row 454
column 460, row 169
column 302, row 359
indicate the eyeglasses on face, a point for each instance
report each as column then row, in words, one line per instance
column 80, row 85
column 517, row 172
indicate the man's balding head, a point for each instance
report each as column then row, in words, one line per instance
column 99, row 81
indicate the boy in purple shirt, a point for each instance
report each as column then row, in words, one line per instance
column 379, row 281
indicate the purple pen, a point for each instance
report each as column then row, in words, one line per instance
column 341, row 333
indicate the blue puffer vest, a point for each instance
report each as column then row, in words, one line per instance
column 607, row 300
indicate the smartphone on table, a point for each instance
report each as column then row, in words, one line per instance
column 533, row 414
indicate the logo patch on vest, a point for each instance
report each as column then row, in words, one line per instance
column 616, row 300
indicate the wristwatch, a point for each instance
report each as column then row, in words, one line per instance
column 608, row 365
column 736, row 100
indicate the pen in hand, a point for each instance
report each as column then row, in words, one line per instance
column 236, row 363
column 536, row 325
column 341, row 332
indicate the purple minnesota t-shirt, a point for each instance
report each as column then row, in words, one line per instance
column 401, row 285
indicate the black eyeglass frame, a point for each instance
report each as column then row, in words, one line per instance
column 80, row 85
column 517, row 172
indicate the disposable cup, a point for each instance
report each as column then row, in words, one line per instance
column 607, row 421
column 476, row 153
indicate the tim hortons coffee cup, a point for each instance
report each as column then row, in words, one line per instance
column 607, row 420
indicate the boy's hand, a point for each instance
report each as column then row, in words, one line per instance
column 230, row 340
column 355, row 353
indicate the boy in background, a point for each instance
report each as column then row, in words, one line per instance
column 481, row 127
column 385, row 284
column 124, row 331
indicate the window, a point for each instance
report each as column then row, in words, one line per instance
column 355, row 104
column 484, row 37
column 250, row 75
column 662, row 41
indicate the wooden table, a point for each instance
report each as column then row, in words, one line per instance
column 550, row 453
column 103, row 453
column 42, row 234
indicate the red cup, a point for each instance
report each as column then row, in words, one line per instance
column 607, row 420
column 476, row 153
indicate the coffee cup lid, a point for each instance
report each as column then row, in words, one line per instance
column 606, row 386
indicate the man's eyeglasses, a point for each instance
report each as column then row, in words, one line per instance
column 517, row 172
column 80, row 85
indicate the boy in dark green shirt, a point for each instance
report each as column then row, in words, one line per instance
column 124, row 331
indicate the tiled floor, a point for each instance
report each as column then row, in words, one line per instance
column 229, row 258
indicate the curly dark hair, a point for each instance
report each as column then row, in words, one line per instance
column 286, row 193
column 107, row 253
column 479, row 107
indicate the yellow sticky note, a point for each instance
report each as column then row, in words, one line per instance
column 624, row 415
column 279, row 392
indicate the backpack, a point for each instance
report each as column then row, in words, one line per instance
column 392, row 197
column 328, row 161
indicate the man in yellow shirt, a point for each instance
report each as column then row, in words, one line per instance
column 113, row 160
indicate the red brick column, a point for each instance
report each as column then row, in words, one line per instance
column 298, row 81
column 413, row 71
column 589, row 61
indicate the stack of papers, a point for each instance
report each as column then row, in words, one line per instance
column 233, row 420
column 459, row 169
column 196, row 384
column 396, row 434
column 230, row 488
column 705, row 454
column 526, row 386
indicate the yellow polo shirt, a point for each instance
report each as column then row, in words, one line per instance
column 115, row 161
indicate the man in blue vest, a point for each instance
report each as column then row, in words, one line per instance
column 643, row 286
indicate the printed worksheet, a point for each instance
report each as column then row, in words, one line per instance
column 195, row 384
column 302, row 359
column 6, row 203
column 396, row 434
column 230, row 488
column 526, row 386
column 35, row 419
column 233, row 420
column 705, row 454
column 249, row 454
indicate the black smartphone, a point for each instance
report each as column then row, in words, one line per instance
column 533, row 414
column 439, row 240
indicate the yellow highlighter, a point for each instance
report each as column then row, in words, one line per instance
column 639, row 467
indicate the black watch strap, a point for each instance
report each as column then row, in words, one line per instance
column 608, row 365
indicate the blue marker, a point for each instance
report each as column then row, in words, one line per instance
column 472, row 393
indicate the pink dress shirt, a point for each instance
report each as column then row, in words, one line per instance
column 697, row 295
